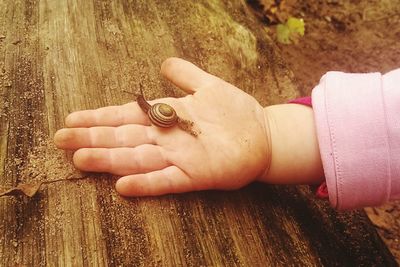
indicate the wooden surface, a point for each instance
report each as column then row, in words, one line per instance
column 58, row 56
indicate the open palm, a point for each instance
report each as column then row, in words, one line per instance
column 231, row 150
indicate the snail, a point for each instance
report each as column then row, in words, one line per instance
column 160, row 114
column 164, row 116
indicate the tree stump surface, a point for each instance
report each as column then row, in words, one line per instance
column 59, row 56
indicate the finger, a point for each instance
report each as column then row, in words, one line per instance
column 185, row 75
column 129, row 135
column 165, row 181
column 121, row 161
column 108, row 116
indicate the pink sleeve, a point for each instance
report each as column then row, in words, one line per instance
column 358, row 125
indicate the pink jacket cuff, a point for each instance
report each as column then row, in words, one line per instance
column 358, row 126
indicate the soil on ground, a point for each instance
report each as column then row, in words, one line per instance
column 349, row 36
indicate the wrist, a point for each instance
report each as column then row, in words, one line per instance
column 294, row 150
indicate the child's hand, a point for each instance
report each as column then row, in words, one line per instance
column 231, row 150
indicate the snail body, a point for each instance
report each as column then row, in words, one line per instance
column 160, row 114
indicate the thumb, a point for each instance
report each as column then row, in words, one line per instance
column 186, row 75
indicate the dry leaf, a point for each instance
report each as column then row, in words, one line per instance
column 31, row 189
column 23, row 189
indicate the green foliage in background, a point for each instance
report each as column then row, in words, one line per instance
column 290, row 31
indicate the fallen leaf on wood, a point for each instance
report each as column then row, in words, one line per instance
column 31, row 189
column 23, row 189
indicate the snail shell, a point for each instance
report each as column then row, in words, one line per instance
column 162, row 115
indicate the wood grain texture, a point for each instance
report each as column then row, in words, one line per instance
column 58, row 56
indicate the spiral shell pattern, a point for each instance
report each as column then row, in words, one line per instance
column 162, row 115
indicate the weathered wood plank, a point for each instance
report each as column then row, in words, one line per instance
column 61, row 56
